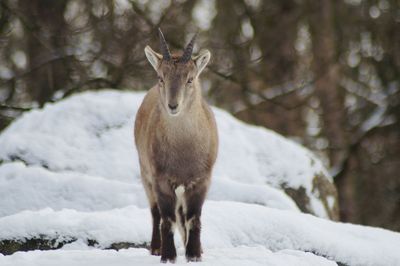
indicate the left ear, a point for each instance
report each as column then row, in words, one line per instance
column 202, row 60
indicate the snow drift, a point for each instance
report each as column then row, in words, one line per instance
column 90, row 138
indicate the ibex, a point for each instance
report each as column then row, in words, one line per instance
column 176, row 138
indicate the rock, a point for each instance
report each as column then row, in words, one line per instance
column 10, row 246
column 323, row 189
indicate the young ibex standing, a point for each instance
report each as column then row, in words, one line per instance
column 176, row 138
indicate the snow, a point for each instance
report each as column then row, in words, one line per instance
column 81, row 192
column 249, row 256
column 70, row 172
column 238, row 225
column 90, row 135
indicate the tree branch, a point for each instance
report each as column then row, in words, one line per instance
column 14, row 108
column 36, row 67
column 342, row 169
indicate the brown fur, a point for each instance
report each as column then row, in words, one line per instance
column 176, row 150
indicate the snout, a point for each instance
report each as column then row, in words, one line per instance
column 173, row 108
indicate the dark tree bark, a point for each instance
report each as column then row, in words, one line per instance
column 46, row 41
column 331, row 96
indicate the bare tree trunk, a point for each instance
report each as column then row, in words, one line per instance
column 331, row 96
column 46, row 40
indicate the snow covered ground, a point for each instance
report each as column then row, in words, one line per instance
column 70, row 172
column 240, row 256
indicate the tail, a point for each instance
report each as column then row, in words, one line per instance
column 180, row 211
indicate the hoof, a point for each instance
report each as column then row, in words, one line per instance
column 193, row 259
column 155, row 252
column 165, row 260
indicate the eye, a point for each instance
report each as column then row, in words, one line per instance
column 160, row 79
column 190, row 80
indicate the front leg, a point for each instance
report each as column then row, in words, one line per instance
column 166, row 204
column 194, row 200
column 155, row 238
column 193, row 247
column 168, row 251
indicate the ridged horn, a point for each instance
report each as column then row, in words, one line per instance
column 187, row 53
column 164, row 46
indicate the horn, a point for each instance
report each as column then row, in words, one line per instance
column 187, row 53
column 164, row 46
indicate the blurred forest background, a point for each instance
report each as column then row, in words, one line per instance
column 323, row 72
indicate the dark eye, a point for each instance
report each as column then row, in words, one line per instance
column 161, row 79
column 190, row 80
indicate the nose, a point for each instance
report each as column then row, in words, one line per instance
column 173, row 106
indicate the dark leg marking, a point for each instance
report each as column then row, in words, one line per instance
column 166, row 203
column 156, row 238
column 195, row 202
column 193, row 247
column 168, row 251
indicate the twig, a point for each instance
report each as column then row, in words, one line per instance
column 14, row 108
column 27, row 24
column 75, row 88
column 141, row 13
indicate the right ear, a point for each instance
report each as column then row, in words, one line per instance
column 153, row 57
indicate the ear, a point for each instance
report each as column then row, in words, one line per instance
column 202, row 60
column 153, row 57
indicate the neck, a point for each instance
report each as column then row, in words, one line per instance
column 188, row 123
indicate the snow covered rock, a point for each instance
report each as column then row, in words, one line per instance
column 227, row 225
column 87, row 139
